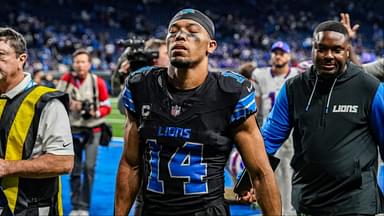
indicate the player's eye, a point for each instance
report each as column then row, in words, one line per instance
column 173, row 29
column 194, row 29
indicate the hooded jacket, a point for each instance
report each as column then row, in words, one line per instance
column 337, row 125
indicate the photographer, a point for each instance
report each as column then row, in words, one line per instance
column 88, row 106
column 158, row 46
column 139, row 54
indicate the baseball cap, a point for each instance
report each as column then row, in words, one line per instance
column 281, row 45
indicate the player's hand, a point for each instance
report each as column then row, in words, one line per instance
column 248, row 197
column 345, row 20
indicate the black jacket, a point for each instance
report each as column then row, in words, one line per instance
column 335, row 159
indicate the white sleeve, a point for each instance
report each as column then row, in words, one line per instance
column 54, row 133
column 255, row 78
column 376, row 68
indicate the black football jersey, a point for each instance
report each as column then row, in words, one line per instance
column 186, row 143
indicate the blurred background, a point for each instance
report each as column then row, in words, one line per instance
column 245, row 28
column 245, row 31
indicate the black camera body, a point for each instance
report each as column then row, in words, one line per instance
column 136, row 54
column 86, row 107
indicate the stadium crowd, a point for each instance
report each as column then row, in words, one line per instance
column 76, row 38
column 245, row 29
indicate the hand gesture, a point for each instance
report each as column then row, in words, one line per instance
column 345, row 20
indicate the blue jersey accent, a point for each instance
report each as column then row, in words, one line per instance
column 238, row 77
column 127, row 100
column 187, row 162
column 143, row 69
column 377, row 117
column 277, row 127
column 244, row 107
column 174, row 132
column 155, row 184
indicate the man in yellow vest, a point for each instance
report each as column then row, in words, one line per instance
column 35, row 137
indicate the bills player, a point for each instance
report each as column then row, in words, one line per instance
column 268, row 81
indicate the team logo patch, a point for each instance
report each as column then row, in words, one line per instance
column 175, row 110
column 345, row 108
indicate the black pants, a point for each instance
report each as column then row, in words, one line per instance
column 214, row 210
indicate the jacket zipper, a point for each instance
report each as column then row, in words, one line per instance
column 323, row 107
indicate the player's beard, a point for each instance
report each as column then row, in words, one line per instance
column 281, row 65
column 180, row 63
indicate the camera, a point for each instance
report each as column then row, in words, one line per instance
column 137, row 56
column 86, row 107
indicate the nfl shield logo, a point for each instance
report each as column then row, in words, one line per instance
column 175, row 110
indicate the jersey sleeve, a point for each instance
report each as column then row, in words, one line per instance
column 105, row 103
column 277, row 127
column 377, row 118
column 132, row 86
column 127, row 100
column 256, row 79
column 246, row 104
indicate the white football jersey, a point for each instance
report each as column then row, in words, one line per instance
column 268, row 87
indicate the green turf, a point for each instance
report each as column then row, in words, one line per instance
column 116, row 119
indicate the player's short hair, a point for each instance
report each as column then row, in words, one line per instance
column 15, row 39
column 246, row 69
column 331, row 25
column 81, row 51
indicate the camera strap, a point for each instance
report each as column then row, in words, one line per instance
column 69, row 81
column 94, row 92
column 93, row 88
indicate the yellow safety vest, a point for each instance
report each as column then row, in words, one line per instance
column 19, row 128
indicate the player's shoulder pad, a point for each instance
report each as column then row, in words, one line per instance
column 140, row 74
column 232, row 82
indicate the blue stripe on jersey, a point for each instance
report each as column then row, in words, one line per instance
column 277, row 127
column 377, row 117
column 238, row 77
column 143, row 69
column 127, row 100
column 244, row 107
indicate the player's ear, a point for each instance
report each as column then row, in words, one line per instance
column 211, row 46
column 349, row 50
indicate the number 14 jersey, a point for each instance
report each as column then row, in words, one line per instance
column 186, row 142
